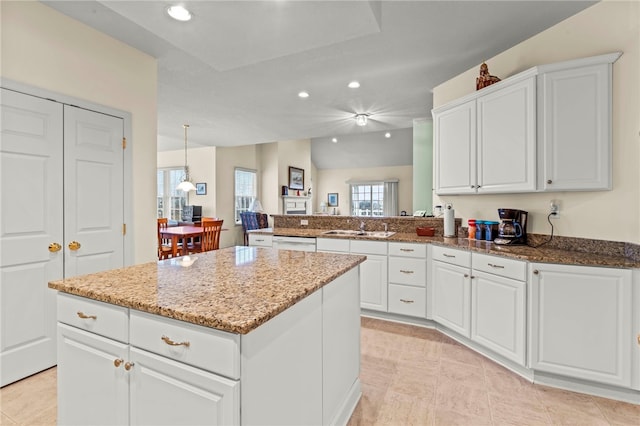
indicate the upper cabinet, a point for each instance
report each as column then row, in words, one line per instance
column 545, row 129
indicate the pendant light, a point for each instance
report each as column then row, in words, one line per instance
column 186, row 185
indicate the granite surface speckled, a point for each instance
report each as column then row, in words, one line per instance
column 576, row 251
column 234, row 289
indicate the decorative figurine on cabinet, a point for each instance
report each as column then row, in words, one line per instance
column 485, row 79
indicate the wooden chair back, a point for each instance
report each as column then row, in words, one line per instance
column 164, row 246
column 211, row 234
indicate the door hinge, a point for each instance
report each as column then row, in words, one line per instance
column 124, row 229
column 124, row 143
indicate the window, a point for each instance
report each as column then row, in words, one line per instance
column 170, row 200
column 374, row 199
column 246, row 191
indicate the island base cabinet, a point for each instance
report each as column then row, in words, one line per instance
column 166, row 392
column 498, row 307
column 581, row 320
column 92, row 381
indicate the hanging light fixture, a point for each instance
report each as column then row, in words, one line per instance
column 186, row 184
column 361, row 119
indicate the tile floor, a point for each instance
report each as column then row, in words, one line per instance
column 410, row 376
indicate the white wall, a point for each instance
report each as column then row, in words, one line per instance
column 295, row 153
column 270, row 188
column 44, row 48
column 334, row 180
column 614, row 215
column 202, row 168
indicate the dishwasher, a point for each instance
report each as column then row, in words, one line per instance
column 294, row 243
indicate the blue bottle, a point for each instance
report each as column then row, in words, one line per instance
column 479, row 229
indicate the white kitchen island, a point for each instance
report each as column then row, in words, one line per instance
column 242, row 335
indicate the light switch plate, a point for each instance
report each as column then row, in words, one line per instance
column 304, row 222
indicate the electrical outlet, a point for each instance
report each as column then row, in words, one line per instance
column 304, row 222
column 554, row 209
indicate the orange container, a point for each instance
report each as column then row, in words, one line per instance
column 425, row 231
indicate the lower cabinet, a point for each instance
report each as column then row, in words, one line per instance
column 260, row 240
column 407, row 292
column 373, row 274
column 581, row 322
column 452, row 297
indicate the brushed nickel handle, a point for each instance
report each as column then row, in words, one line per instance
column 536, row 272
column 54, row 247
column 170, row 342
column 85, row 316
column 495, row 266
column 406, row 301
column 406, row 272
column 74, row 245
column 117, row 362
column 405, row 249
column 549, row 181
column 128, row 365
column 447, row 255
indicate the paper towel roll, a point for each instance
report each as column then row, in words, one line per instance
column 449, row 223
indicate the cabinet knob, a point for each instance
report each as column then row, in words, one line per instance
column 472, row 276
column 128, row 365
column 536, row 272
column 549, row 181
column 54, row 247
column 473, row 186
column 638, row 339
column 74, row 245
column 117, row 362
column 466, row 275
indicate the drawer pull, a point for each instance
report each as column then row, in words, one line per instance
column 466, row 275
column 259, row 240
column 447, row 255
column 405, row 249
column 170, row 342
column 495, row 266
column 536, row 272
column 406, row 301
column 85, row 316
column 117, row 362
column 406, row 272
column 128, row 365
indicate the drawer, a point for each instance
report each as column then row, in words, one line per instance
column 408, row 271
column 502, row 266
column 405, row 300
column 333, row 245
column 368, row 247
column 453, row 256
column 207, row 348
column 408, row 250
column 97, row 317
column 260, row 240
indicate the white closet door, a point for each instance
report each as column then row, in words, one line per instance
column 93, row 192
column 31, row 219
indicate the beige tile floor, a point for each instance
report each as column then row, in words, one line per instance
column 410, row 376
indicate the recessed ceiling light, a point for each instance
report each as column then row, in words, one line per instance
column 354, row 85
column 334, row 140
column 387, row 135
column 303, row 94
column 179, row 13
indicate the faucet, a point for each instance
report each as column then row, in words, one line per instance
column 362, row 225
column 386, row 227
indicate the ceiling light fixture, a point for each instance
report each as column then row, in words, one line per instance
column 303, row 95
column 361, row 119
column 354, row 85
column 179, row 13
column 387, row 135
column 186, row 185
column 334, row 140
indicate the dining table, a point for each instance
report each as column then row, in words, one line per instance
column 184, row 233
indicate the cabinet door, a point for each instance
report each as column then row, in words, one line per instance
column 166, row 392
column 373, row 283
column 575, row 129
column 507, row 139
column 452, row 297
column 498, row 307
column 93, row 386
column 581, row 322
column 455, row 149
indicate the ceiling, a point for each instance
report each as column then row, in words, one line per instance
column 234, row 71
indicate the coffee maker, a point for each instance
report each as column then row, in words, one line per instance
column 513, row 227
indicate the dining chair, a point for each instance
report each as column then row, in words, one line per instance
column 164, row 246
column 249, row 221
column 210, row 240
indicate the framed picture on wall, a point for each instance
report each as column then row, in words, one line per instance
column 201, row 188
column 332, row 199
column 296, row 178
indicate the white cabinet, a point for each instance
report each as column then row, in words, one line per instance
column 574, row 126
column 332, row 245
column 294, row 243
column 454, row 132
column 451, row 287
column 581, row 322
column 498, row 305
column 506, row 153
column 373, row 274
column 260, row 240
column 407, row 293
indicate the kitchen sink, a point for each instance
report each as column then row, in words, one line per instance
column 352, row 233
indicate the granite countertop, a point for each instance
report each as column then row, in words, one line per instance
column 234, row 289
column 541, row 254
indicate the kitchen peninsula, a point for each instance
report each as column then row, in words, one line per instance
column 242, row 335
